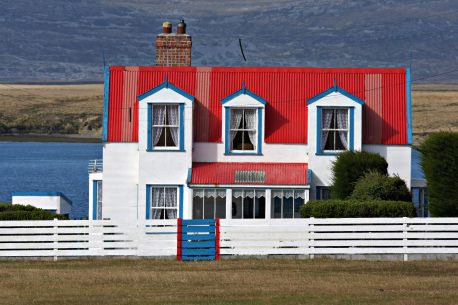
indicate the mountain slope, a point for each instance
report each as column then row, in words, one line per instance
column 53, row 40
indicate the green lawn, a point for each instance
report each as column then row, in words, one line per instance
column 250, row 281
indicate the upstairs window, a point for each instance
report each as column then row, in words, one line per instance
column 166, row 126
column 334, row 129
column 243, row 133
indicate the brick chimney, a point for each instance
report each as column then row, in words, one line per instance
column 173, row 49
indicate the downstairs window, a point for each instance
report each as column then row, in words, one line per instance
column 164, row 202
column 248, row 203
column 287, row 203
column 209, row 203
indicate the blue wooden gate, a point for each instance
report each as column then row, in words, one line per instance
column 198, row 239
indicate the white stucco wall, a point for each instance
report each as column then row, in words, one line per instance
column 164, row 167
column 281, row 153
column 399, row 158
column 120, row 179
column 54, row 203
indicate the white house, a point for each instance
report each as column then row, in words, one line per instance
column 54, row 202
column 239, row 142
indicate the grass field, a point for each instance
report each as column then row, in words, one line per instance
column 70, row 109
column 263, row 281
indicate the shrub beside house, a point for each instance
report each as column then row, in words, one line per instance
column 362, row 188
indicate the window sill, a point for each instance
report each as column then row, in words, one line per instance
column 243, row 154
column 165, row 150
column 328, row 153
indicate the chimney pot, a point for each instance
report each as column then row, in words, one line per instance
column 181, row 27
column 166, row 27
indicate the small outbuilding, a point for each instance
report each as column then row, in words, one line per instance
column 55, row 202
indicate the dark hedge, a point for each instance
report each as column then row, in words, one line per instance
column 26, row 212
column 440, row 164
column 349, row 166
column 374, row 185
column 356, row 208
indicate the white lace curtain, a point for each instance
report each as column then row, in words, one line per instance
column 342, row 123
column 288, row 194
column 236, row 118
column 250, row 120
column 172, row 115
column 157, row 202
column 326, row 124
column 164, row 198
column 247, row 193
column 158, row 119
column 171, row 202
column 209, row 193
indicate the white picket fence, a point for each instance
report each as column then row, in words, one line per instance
column 60, row 238
column 340, row 236
column 308, row 237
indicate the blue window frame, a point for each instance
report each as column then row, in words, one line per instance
column 97, row 199
column 165, row 127
column 164, row 201
column 243, row 131
column 335, row 130
column 323, row 193
column 420, row 201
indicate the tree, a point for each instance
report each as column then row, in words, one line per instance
column 440, row 164
column 373, row 186
column 349, row 166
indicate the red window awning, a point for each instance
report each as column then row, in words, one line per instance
column 239, row 173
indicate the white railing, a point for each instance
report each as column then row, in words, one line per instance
column 95, row 166
column 59, row 238
column 308, row 237
column 344, row 236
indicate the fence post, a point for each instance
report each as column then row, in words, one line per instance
column 217, row 238
column 179, row 237
column 404, row 233
column 55, row 238
column 311, row 238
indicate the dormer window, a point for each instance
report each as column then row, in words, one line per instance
column 335, row 122
column 334, row 129
column 243, row 130
column 166, row 126
column 243, row 123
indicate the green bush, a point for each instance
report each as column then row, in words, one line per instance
column 26, row 212
column 374, row 185
column 440, row 164
column 356, row 208
column 349, row 166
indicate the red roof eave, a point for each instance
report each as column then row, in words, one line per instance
column 224, row 173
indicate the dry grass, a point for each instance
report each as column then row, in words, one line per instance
column 52, row 108
column 229, row 282
column 435, row 106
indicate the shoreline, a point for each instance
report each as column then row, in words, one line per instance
column 49, row 138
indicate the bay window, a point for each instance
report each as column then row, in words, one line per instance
column 209, row 203
column 287, row 203
column 248, row 203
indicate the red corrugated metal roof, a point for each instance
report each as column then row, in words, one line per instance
column 223, row 173
column 285, row 90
